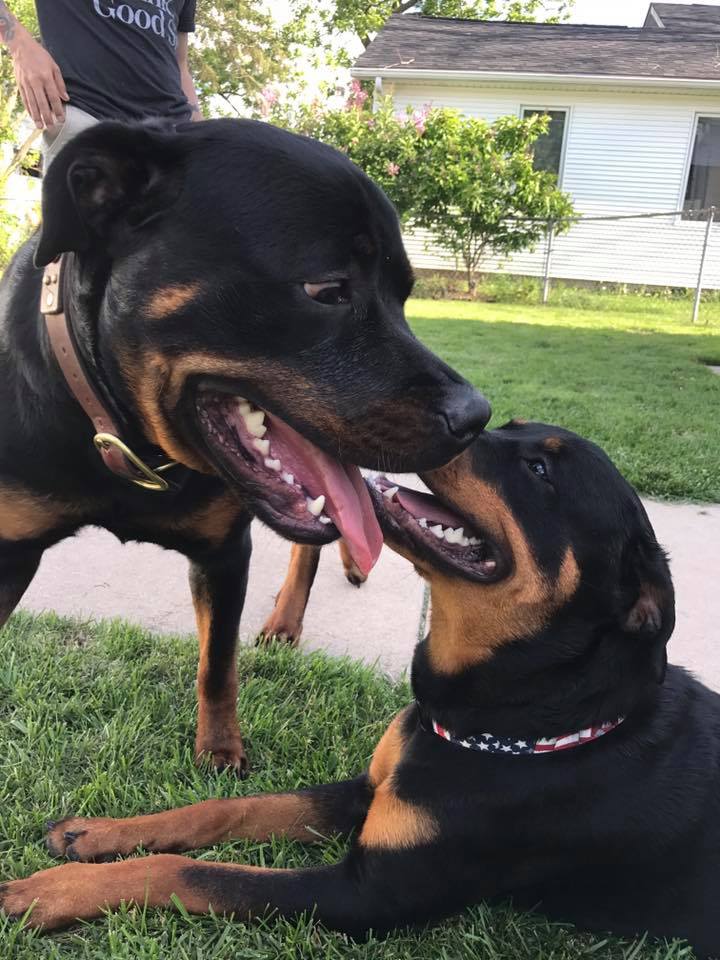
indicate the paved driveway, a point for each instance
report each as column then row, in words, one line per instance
column 92, row 575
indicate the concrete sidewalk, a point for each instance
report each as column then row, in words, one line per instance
column 94, row 576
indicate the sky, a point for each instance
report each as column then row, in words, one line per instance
column 630, row 13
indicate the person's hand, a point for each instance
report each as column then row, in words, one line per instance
column 39, row 80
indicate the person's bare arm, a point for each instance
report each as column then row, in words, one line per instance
column 186, row 77
column 37, row 75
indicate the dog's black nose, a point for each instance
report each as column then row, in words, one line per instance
column 467, row 414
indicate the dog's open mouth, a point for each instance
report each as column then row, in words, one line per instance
column 435, row 532
column 295, row 487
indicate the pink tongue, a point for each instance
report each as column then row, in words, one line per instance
column 347, row 501
column 425, row 505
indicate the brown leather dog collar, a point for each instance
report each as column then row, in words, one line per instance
column 116, row 455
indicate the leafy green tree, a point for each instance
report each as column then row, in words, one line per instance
column 238, row 50
column 476, row 189
column 15, row 145
column 364, row 19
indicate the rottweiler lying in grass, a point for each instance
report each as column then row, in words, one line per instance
column 550, row 755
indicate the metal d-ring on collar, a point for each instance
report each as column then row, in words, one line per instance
column 116, row 454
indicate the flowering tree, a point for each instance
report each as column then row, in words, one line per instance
column 472, row 185
column 476, row 189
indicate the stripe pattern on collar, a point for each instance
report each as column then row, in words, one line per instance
column 515, row 747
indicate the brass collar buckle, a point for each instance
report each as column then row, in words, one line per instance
column 149, row 479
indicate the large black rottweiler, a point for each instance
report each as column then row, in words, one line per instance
column 234, row 296
column 549, row 756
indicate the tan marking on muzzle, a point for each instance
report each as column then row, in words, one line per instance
column 470, row 620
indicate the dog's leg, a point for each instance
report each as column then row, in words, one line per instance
column 286, row 621
column 16, row 573
column 218, row 590
column 371, row 888
column 340, row 896
column 352, row 572
column 305, row 815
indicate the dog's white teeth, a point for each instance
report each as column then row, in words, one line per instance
column 423, row 523
column 454, row 536
column 315, row 507
column 389, row 494
column 255, row 423
column 242, row 406
column 288, row 478
column 262, row 445
column 464, row 541
column 473, row 541
column 438, row 531
column 323, row 519
column 272, row 464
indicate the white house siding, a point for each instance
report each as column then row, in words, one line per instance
column 626, row 152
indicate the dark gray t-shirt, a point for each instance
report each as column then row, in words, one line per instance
column 119, row 57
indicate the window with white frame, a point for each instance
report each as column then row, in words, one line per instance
column 703, row 184
column 549, row 147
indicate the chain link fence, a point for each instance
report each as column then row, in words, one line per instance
column 657, row 249
column 688, row 247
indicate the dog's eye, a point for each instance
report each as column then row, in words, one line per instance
column 538, row 468
column 331, row 292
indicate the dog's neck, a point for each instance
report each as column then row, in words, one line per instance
column 36, row 400
column 530, row 687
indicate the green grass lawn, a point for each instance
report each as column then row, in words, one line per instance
column 628, row 372
column 100, row 721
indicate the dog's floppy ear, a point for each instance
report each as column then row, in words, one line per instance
column 651, row 614
column 109, row 180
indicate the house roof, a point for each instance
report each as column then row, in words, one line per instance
column 413, row 43
column 684, row 16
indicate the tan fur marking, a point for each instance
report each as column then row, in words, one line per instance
column 194, row 827
column 469, row 621
column 218, row 733
column 84, row 891
column 157, row 386
column 168, row 300
column 24, row 515
column 553, row 444
column 388, row 751
column 392, row 823
column 213, row 521
column 286, row 620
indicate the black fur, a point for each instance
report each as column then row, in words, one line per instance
column 247, row 213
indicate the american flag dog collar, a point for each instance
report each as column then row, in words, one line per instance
column 515, row 747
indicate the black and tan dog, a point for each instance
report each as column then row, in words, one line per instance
column 235, row 299
column 550, row 755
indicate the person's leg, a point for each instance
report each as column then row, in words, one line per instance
column 55, row 138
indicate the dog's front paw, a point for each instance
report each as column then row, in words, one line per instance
column 221, row 756
column 280, row 628
column 354, row 575
column 88, row 839
column 49, row 893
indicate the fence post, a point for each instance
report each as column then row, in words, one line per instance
column 701, row 271
column 548, row 261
